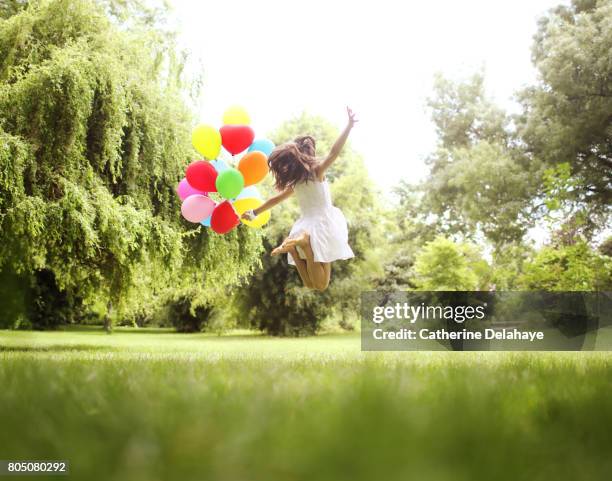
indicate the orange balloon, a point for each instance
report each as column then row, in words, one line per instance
column 253, row 167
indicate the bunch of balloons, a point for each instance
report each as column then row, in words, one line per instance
column 234, row 185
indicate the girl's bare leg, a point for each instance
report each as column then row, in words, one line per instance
column 299, row 262
column 301, row 267
column 319, row 273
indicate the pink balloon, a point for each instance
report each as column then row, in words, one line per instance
column 184, row 190
column 197, row 207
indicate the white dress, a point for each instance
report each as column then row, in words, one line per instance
column 325, row 223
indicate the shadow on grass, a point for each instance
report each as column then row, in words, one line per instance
column 170, row 334
column 174, row 334
column 94, row 329
column 56, row 348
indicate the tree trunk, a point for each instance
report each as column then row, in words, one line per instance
column 108, row 323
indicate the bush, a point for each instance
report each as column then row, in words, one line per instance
column 444, row 265
column 274, row 300
column 567, row 268
column 187, row 319
column 13, row 291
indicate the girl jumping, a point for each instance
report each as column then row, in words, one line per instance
column 320, row 235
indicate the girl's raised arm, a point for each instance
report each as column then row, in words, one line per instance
column 337, row 147
column 268, row 204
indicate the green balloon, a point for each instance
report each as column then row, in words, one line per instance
column 230, row 183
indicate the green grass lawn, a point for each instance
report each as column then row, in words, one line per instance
column 155, row 405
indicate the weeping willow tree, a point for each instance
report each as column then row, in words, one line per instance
column 94, row 135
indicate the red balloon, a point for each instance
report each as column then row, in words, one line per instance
column 202, row 175
column 236, row 138
column 224, row 218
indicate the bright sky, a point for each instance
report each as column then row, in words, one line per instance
column 278, row 58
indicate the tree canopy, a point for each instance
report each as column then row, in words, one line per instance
column 95, row 134
column 494, row 176
column 497, row 175
column 479, row 182
column 567, row 115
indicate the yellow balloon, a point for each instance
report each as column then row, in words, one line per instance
column 236, row 115
column 242, row 205
column 207, row 141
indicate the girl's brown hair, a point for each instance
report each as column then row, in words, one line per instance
column 293, row 162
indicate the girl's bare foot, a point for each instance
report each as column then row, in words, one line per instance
column 302, row 240
column 281, row 249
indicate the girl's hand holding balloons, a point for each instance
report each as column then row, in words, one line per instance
column 249, row 215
